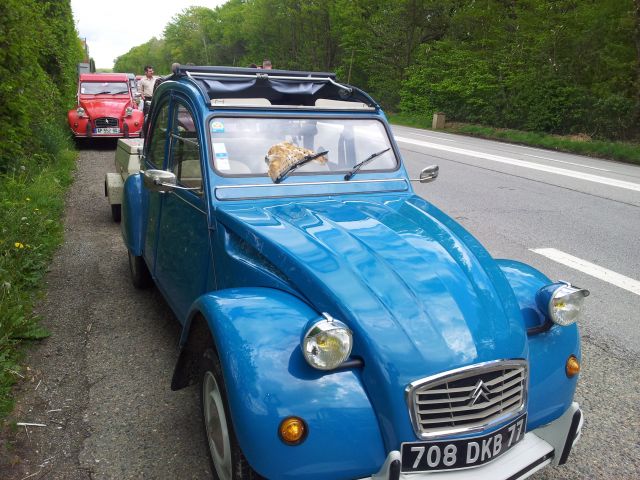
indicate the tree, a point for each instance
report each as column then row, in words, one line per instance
column 527, row 64
column 153, row 52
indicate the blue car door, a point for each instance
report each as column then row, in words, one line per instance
column 156, row 145
column 183, row 267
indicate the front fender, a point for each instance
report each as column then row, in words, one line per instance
column 77, row 124
column 134, row 122
column 257, row 332
column 550, row 390
column 133, row 208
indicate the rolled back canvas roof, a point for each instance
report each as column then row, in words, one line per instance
column 280, row 87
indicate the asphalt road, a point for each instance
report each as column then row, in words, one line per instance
column 100, row 383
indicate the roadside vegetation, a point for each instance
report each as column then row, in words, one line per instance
column 559, row 67
column 40, row 50
column 31, row 207
column 579, row 144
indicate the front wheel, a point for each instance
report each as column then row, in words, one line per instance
column 228, row 462
column 140, row 275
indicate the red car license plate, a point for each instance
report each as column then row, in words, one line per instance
column 110, row 130
column 465, row 453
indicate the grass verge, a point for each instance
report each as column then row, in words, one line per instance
column 582, row 145
column 31, row 208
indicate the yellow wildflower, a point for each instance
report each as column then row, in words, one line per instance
column 18, row 245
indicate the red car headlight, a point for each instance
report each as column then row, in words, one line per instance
column 128, row 111
column 80, row 111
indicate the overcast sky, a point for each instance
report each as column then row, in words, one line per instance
column 112, row 28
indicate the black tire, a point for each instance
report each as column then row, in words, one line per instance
column 226, row 458
column 140, row 275
column 116, row 212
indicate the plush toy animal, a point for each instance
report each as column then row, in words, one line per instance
column 284, row 154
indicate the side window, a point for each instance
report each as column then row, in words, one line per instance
column 155, row 153
column 185, row 150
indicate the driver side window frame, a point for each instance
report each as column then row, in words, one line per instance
column 159, row 137
column 185, row 156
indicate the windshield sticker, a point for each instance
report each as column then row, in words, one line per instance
column 217, row 127
column 284, row 157
column 222, row 157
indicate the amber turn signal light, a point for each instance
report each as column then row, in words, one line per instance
column 572, row 367
column 292, row 430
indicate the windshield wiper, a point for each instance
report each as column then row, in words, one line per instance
column 120, row 92
column 102, row 93
column 356, row 168
column 299, row 163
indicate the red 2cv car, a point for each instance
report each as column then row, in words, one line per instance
column 106, row 107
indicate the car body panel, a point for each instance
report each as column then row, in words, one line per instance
column 134, row 223
column 347, row 257
column 183, row 257
column 548, row 350
column 268, row 380
column 259, row 260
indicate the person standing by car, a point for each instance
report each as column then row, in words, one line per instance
column 145, row 86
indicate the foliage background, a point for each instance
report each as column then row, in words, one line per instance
column 556, row 66
column 39, row 51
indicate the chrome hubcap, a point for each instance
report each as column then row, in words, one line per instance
column 216, row 425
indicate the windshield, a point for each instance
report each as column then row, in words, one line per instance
column 271, row 146
column 104, row 88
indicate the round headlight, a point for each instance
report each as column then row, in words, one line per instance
column 128, row 111
column 566, row 304
column 327, row 343
column 80, row 112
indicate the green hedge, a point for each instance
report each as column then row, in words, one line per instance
column 39, row 51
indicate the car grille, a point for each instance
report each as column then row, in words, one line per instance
column 468, row 399
column 106, row 122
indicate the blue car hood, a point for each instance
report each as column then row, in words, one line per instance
column 421, row 295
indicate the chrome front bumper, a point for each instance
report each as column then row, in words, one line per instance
column 543, row 446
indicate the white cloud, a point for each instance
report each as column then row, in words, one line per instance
column 112, row 28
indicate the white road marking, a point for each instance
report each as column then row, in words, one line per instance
column 523, row 163
column 519, row 147
column 589, row 268
column 568, row 163
column 434, row 136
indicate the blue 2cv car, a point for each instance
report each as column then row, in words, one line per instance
column 339, row 326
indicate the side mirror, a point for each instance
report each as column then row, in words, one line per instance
column 428, row 174
column 159, row 180
column 163, row 181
